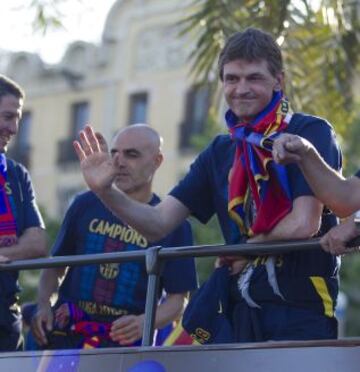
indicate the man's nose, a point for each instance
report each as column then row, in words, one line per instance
column 118, row 160
column 242, row 87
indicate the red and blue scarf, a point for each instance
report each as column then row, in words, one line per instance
column 255, row 171
column 94, row 333
column 7, row 219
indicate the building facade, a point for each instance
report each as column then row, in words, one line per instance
column 138, row 73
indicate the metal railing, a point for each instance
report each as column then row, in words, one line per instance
column 154, row 257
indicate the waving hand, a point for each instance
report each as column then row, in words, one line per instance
column 95, row 160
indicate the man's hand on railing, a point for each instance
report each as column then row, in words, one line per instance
column 42, row 322
column 127, row 329
column 336, row 240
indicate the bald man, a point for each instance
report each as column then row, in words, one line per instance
column 103, row 305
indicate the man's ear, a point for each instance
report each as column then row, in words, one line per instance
column 280, row 81
column 159, row 159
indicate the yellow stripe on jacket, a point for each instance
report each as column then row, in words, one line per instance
column 322, row 290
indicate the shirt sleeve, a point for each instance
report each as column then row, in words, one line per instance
column 357, row 174
column 323, row 137
column 64, row 244
column 32, row 216
column 179, row 275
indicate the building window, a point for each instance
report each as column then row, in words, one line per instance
column 21, row 148
column 80, row 114
column 138, row 108
column 196, row 113
column 80, row 117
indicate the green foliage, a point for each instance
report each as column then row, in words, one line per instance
column 350, row 270
column 206, row 235
column 212, row 128
column 317, row 80
column 351, row 147
column 47, row 14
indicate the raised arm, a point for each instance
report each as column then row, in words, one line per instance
column 153, row 222
column 341, row 195
column 99, row 173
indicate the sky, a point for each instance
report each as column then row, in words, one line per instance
column 82, row 20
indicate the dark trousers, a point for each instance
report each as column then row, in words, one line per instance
column 11, row 339
column 278, row 321
column 281, row 322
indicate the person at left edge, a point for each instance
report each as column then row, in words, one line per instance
column 22, row 234
column 103, row 305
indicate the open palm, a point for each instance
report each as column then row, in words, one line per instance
column 95, row 161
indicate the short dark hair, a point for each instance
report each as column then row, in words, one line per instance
column 9, row 87
column 251, row 45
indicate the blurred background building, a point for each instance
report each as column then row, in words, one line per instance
column 138, row 73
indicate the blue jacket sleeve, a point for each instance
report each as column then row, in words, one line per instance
column 323, row 137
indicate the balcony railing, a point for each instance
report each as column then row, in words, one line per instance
column 154, row 256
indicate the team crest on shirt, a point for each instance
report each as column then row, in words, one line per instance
column 109, row 270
